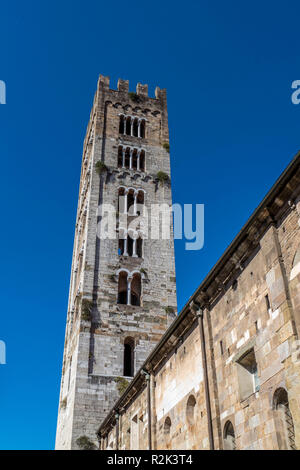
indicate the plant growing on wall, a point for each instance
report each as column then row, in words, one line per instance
column 169, row 309
column 101, row 167
column 162, row 177
column 85, row 443
column 112, row 277
column 122, row 384
column 134, row 97
column 86, row 309
column 166, row 146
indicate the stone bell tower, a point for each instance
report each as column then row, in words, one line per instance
column 123, row 288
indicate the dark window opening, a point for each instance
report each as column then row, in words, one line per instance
column 129, row 357
column 128, row 126
column 135, row 127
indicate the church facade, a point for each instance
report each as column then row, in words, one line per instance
column 226, row 374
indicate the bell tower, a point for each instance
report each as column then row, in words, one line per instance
column 122, row 292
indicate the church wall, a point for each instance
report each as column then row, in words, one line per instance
column 251, row 327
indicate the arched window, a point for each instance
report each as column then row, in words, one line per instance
column 190, row 409
column 229, row 436
column 131, row 158
column 140, row 200
column 167, row 426
column 136, row 290
column 283, row 420
column 130, row 202
column 129, row 357
column 122, row 288
column 129, row 288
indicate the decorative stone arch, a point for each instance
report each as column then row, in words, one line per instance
column 229, row 436
column 129, row 287
column 284, row 425
column 126, row 108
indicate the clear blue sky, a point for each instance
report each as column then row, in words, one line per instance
column 228, row 68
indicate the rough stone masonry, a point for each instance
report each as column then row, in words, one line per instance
column 122, row 292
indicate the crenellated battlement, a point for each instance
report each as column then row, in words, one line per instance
column 123, row 87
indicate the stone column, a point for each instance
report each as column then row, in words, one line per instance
column 131, row 126
column 129, row 279
column 134, row 248
column 125, row 253
column 130, row 160
column 135, row 201
column 123, row 157
column 138, row 160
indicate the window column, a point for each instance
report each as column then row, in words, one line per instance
column 123, row 157
column 129, row 279
column 138, row 160
column 130, row 160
